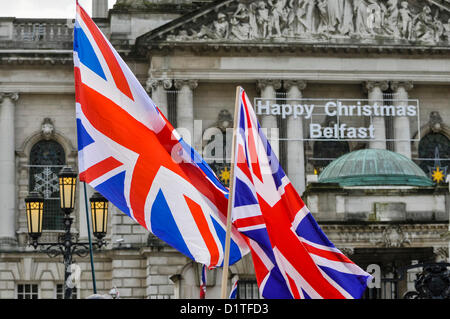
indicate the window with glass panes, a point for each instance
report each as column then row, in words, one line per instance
column 247, row 289
column 27, row 291
column 47, row 157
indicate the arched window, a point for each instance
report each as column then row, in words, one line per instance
column 47, row 157
column 434, row 150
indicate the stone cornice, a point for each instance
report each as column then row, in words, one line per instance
column 226, row 48
column 36, row 59
column 49, row 56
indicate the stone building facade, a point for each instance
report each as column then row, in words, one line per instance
column 190, row 56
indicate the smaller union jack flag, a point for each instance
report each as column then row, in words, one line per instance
column 293, row 258
column 233, row 292
column 203, row 283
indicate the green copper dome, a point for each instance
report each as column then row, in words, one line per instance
column 371, row 167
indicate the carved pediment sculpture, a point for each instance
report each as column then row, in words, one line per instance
column 401, row 22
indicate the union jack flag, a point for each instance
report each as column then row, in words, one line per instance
column 292, row 256
column 131, row 154
column 233, row 292
column 203, row 283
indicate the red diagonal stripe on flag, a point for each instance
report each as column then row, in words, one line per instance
column 97, row 170
column 249, row 221
column 330, row 255
column 113, row 64
column 291, row 248
column 203, row 227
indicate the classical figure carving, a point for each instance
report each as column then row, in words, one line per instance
column 219, row 30
column 324, row 23
column 240, row 23
column 446, row 31
column 277, row 16
column 295, row 17
column 335, row 9
column 347, row 26
column 391, row 20
column 367, row 20
column 424, row 25
column 360, row 15
column 406, row 20
column 262, row 19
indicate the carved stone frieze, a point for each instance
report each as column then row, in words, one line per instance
column 339, row 21
column 385, row 235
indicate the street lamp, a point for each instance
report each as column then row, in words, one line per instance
column 67, row 243
column 67, row 188
column 34, row 205
column 99, row 211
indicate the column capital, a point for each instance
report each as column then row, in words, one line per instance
column 262, row 84
column 370, row 85
column 300, row 84
column 192, row 84
column 14, row 96
column 407, row 85
column 154, row 83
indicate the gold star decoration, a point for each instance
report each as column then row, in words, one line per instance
column 224, row 175
column 437, row 175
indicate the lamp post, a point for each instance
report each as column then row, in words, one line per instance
column 68, row 243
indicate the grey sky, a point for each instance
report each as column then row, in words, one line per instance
column 44, row 8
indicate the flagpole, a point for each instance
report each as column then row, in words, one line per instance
column 94, row 286
column 226, row 259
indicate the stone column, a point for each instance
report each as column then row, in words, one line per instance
column 375, row 95
column 295, row 150
column 268, row 91
column 159, row 94
column 402, row 132
column 185, row 108
column 7, row 169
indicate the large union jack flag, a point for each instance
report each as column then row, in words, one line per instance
column 293, row 258
column 131, row 154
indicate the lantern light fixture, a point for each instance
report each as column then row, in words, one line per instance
column 67, row 189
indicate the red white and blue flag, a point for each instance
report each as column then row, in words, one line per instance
column 131, row 154
column 292, row 256
column 233, row 292
column 203, row 283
